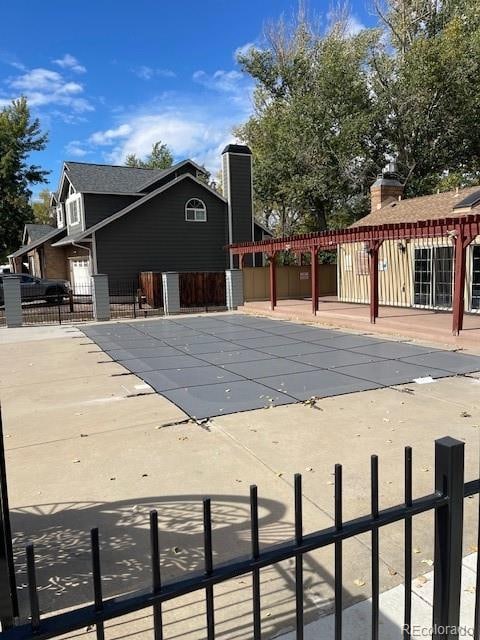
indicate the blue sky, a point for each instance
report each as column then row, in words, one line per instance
column 107, row 78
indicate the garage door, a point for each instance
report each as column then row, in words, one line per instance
column 81, row 282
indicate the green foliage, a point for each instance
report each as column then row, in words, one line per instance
column 331, row 108
column 42, row 211
column 159, row 158
column 19, row 136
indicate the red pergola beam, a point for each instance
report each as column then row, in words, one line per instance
column 331, row 239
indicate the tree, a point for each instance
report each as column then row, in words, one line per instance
column 159, row 158
column 312, row 120
column 331, row 108
column 426, row 79
column 19, row 136
column 42, row 209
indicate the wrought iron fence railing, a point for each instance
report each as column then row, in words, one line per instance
column 446, row 501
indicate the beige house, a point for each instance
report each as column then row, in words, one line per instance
column 418, row 272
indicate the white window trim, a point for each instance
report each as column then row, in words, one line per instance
column 199, row 213
column 60, row 215
column 77, row 197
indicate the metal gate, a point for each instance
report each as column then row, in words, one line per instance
column 446, row 502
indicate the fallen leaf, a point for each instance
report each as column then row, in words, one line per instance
column 392, row 572
column 144, row 475
column 473, row 548
column 308, row 469
column 177, row 550
column 425, row 469
column 465, row 414
column 84, row 435
column 359, row 582
column 417, row 550
column 421, row 580
column 470, row 589
column 75, row 461
column 113, row 478
column 429, row 562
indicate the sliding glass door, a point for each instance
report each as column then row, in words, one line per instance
column 475, row 305
column 433, row 277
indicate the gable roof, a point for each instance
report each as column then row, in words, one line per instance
column 432, row 207
column 36, row 231
column 134, row 205
column 105, row 178
column 51, row 235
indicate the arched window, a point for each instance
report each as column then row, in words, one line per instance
column 195, row 211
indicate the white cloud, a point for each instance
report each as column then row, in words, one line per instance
column 70, row 62
column 76, row 149
column 192, row 127
column 110, row 135
column 354, row 26
column 225, row 81
column 46, row 87
column 147, row 73
column 244, row 49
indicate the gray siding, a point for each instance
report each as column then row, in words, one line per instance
column 240, row 193
column 100, row 206
column 156, row 237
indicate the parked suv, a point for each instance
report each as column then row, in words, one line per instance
column 32, row 288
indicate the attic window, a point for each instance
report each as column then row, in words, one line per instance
column 195, row 211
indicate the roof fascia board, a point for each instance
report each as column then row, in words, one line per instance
column 173, row 168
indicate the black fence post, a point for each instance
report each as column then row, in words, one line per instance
column 449, row 479
column 8, row 587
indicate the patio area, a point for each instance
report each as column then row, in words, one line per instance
column 417, row 324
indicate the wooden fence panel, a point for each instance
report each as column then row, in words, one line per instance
column 292, row 282
column 202, row 289
column 151, row 287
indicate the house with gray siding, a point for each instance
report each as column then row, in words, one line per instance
column 122, row 221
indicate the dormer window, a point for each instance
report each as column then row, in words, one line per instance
column 73, row 206
column 195, row 211
column 60, row 220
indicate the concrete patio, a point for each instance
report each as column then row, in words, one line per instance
column 125, row 453
column 418, row 324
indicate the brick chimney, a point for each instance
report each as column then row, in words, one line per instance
column 387, row 188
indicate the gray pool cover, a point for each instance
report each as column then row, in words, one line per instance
column 214, row 365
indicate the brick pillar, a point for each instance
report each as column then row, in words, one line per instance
column 171, row 293
column 234, row 287
column 12, row 300
column 100, row 297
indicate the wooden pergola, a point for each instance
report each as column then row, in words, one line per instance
column 462, row 231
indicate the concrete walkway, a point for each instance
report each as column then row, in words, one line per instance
column 357, row 619
column 85, row 448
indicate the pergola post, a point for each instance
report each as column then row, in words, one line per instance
column 273, row 280
column 373, row 253
column 461, row 244
column 314, row 279
column 241, row 258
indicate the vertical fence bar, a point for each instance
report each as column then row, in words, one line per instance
column 476, row 621
column 32, row 588
column 156, row 578
column 449, row 478
column 298, row 557
column 207, row 533
column 375, row 549
column 257, row 628
column 8, row 585
column 338, row 553
column 407, row 616
column 97, row 580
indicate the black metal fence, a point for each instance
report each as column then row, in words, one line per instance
column 446, row 501
column 128, row 301
column 55, row 304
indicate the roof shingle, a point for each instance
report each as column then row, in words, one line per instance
column 432, row 207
